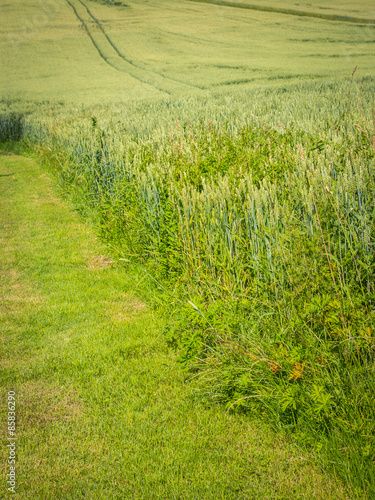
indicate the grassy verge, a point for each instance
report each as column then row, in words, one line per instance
column 102, row 409
column 262, row 233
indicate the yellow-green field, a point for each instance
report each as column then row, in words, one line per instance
column 83, row 51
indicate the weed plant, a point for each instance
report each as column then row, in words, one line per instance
column 262, row 231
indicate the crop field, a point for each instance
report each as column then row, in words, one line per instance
column 226, row 151
column 82, row 51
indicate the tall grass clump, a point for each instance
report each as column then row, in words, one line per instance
column 11, row 126
column 261, row 225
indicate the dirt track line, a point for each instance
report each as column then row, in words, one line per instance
column 98, row 23
column 108, row 51
column 89, row 33
column 100, row 26
column 105, row 59
column 290, row 12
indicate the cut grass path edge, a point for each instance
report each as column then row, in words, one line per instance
column 102, row 408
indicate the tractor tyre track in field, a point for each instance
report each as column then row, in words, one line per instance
column 290, row 12
column 100, row 26
column 108, row 51
column 101, row 53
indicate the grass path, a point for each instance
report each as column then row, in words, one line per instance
column 102, row 408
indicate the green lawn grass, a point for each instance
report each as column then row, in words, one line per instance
column 102, row 408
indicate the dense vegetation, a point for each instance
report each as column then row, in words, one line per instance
column 255, row 217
